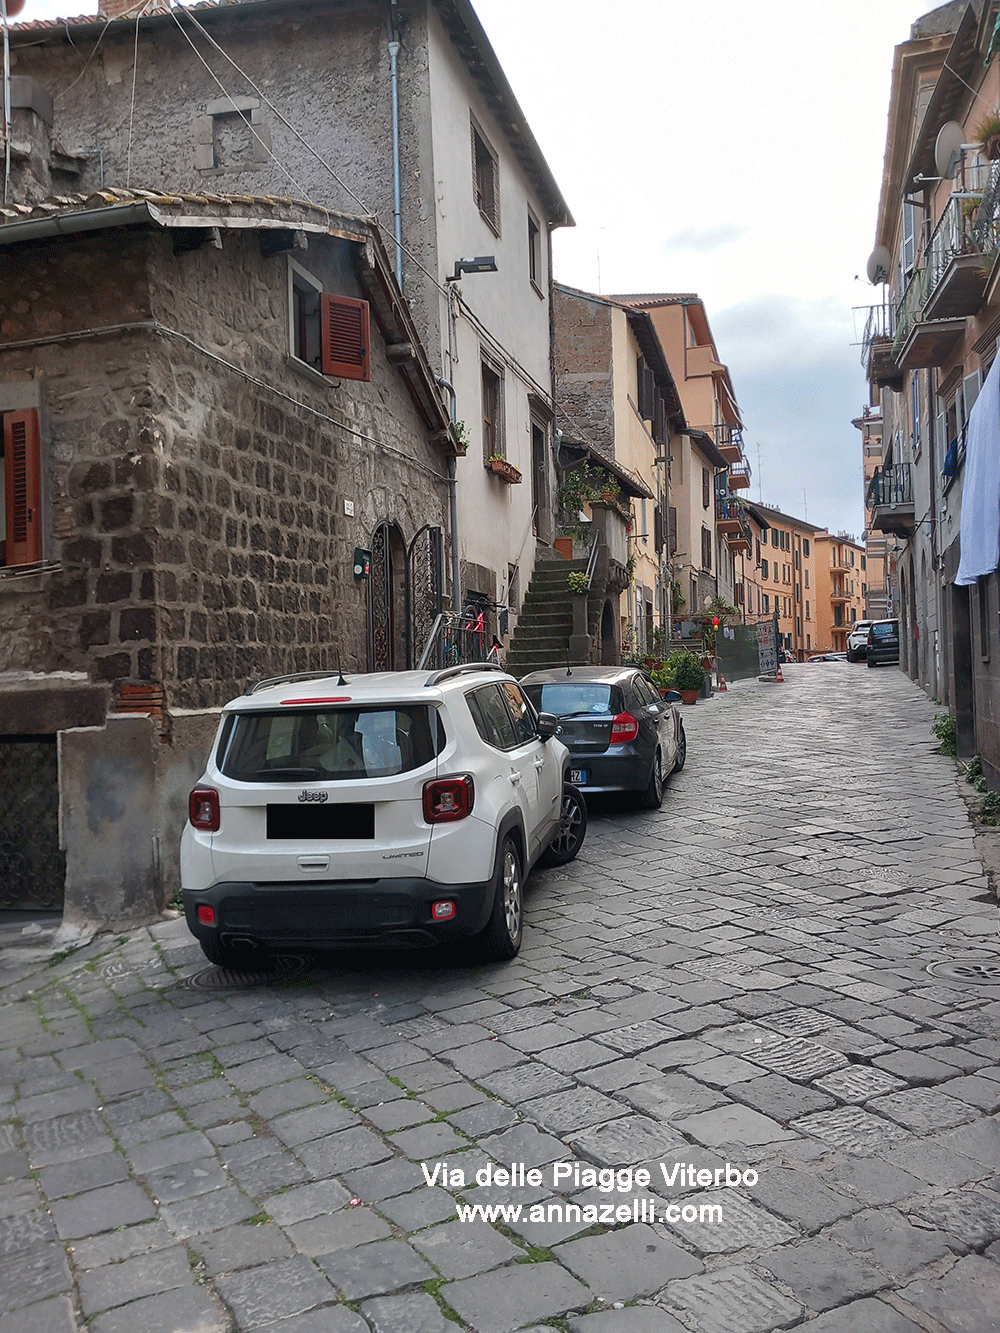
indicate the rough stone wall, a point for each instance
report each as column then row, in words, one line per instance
column 326, row 70
column 583, row 367
column 199, row 518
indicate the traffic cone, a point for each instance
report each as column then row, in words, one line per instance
column 722, row 687
column 779, row 678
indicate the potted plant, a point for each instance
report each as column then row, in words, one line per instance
column 689, row 675
column 987, row 133
column 663, row 678
column 503, row 469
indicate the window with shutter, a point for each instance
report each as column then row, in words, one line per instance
column 706, row 488
column 22, row 482
column 486, row 180
column 672, row 529
column 657, row 529
column 344, row 330
column 493, row 435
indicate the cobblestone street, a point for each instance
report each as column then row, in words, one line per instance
column 740, row 977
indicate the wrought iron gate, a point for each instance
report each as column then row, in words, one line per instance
column 32, row 867
column 422, row 587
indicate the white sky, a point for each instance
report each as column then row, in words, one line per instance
column 733, row 149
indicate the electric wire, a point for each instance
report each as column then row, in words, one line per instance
column 131, row 112
column 266, row 147
column 154, row 326
column 366, row 210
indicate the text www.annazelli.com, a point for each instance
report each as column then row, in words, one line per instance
column 608, row 1214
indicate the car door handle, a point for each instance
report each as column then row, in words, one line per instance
column 515, row 777
column 538, row 763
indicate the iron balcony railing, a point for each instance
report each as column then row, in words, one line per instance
column 728, row 511
column 952, row 237
column 890, row 486
column 740, row 470
column 909, row 309
column 986, row 228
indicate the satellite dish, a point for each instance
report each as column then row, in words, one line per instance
column 878, row 265
column 948, row 149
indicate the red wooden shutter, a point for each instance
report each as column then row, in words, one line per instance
column 23, row 480
column 344, row 337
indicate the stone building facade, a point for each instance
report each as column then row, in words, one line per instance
column 287, row 98
column 202, row 483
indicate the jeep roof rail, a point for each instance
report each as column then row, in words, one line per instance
column 288, row 680
column 462, row 669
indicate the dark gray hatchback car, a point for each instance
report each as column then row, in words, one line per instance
column 883, row 642
column 621, row 735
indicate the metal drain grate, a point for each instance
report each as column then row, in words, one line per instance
column 979, row 971
column 278, row 968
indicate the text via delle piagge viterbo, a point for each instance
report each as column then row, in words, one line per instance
column 624, row 1187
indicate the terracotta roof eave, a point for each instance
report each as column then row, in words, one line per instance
column 948, row 94
column 703, row 441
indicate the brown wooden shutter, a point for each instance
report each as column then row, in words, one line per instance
column 23, row 480
column 657, row 529
column 672, row 529
column 344, row 338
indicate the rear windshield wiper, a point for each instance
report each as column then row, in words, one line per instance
column 286, row 774
column 585, row 712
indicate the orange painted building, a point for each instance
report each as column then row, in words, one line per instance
column 840, row 576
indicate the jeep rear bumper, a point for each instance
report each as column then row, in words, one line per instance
column 382, row 913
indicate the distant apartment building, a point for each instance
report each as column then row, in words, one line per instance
column 839, row 579
column 708, row 471
column 877, row 587
column 618, row 409
column 788, row 579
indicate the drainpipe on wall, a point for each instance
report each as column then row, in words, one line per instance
column 6, row 101
column 456, row 564
column 396, row 190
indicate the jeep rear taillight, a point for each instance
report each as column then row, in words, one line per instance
column 448, row 799
column 624, row 728
column 203, row 809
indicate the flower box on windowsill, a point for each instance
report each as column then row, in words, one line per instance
column 505, row 471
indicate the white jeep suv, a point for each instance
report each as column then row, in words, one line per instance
column 398, row 808
column 857, row 641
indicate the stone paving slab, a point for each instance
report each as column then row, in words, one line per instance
column 739, row 978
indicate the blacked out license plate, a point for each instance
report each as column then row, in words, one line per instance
column 324, row 822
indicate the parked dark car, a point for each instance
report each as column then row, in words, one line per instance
column 883, row 642
column 621, row 735
column 829, row 657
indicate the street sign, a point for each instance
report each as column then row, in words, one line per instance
column 767, row 648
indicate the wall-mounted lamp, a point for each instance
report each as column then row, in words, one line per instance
column 477, row 264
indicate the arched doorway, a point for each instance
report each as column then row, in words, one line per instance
column 609, row 644
column 387, row 600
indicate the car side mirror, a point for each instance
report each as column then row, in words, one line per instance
column 672, row 697
column 548, row 725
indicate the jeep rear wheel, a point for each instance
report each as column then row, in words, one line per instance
column 502, row 936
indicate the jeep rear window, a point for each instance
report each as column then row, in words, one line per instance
column 329, row 744
column 883, row 630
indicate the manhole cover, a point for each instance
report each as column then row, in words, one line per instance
column 985, row 971
column 278, row 968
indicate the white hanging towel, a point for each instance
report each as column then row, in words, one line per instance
column 980, row 529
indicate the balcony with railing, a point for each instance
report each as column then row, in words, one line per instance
column 742, row 540
column 729, row 441
column 739, row 475
column 728, row 517
column 956, row 275
column 890, row 499
column 876, row 356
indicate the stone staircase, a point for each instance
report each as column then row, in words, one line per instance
column 541, row 639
